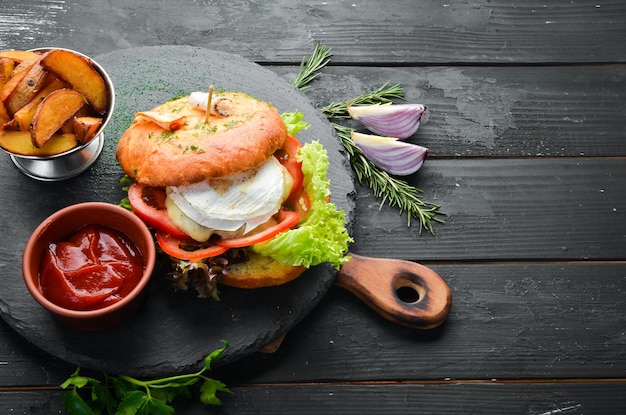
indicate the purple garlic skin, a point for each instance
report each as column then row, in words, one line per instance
column 389, row 120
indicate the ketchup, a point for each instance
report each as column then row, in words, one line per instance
column 94, row 267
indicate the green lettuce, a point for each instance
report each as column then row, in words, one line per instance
column 294, row 122
column 322, row 236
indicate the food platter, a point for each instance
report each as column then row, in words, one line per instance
column 173, row 331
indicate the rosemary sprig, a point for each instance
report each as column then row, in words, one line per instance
column 309, row 70
column 397, row 193
column 381, row 95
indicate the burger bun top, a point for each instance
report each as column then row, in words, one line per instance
column 241, row 133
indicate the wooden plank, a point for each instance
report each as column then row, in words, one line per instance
column 508, row 321
column 498, row 111
column 537, row 321
column 23, row 364
column 493, row 399
column 402, row 32
column 499, row 209
column 445, row 398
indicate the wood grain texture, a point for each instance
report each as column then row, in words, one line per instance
column 402, row 32
column 526, row 126
column 445, row 398
column 537, row 321
column 495, row 111
column 499, row 209
column 507, row 322
column 380, row 283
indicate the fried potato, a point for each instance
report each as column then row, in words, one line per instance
column 17, row 75
column 53, row 112
column 33, row 80
column 19, row 142
column 24, row 117
column 78, row 72
column 6, row 69
column 85, row 111
column 18, row 55
column 4, row 115
column 85, row 128
column 50, row 101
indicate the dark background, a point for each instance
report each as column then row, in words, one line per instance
column 526, row 128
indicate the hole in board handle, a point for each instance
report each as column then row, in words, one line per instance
column 408, row 289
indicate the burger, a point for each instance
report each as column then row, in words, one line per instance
column 232, row 195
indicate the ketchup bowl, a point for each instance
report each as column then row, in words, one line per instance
column 88, row 264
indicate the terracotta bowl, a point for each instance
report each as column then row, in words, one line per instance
column 63, row 223
column 73, row 162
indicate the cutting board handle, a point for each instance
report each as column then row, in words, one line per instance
column 379, row 282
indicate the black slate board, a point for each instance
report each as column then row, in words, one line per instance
column 173, row 331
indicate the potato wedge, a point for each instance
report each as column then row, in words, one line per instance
column 4, row 115
column 17, row 75
column 31, row 83
column 19, row 142
column 24, row 117
column 78, row 72
column 6, row 69
column 18, row 55
column 53, row 112
column 85, row 128
column 85, row 111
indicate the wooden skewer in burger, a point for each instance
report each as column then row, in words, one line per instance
column 207, row 110
column 237, row 200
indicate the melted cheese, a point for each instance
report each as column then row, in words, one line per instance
column 232, row 205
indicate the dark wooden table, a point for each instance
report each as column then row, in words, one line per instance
column 527, row 131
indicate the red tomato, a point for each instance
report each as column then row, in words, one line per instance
column 149, row 204
column 287, row 157
column 286, row 219
column 172, row 247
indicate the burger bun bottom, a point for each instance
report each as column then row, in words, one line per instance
column 260, row 271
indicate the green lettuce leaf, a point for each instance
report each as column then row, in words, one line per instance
column 294, row 122
column 322, row 236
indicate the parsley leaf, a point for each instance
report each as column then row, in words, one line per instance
column 125, row 395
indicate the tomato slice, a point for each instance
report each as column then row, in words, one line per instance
column 149, row 204
column 172, row 247
column 286, row 219
column 287, row 157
